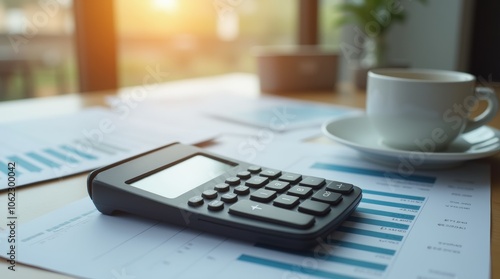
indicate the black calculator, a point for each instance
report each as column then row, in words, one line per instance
column 188, row 186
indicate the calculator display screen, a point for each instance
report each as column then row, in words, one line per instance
column 183, row 176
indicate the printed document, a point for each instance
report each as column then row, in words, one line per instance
column 423, row 224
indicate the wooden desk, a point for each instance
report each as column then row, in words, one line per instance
column 44, row 197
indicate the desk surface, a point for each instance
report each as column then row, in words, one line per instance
column 61, row 192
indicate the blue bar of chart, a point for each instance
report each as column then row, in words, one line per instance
column 63, row 159
column 288, row 266
column 43, row 160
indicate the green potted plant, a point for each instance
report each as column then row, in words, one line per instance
column 372, row 18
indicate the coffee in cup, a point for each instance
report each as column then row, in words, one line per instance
column 425, row 110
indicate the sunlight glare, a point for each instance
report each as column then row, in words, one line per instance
column 165, row 5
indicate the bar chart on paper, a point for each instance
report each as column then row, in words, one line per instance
column 51, row 148
column 365, row 246
column 429, row 217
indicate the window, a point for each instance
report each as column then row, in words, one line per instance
column 191, row 38
column 186, row 38
column 36, row 48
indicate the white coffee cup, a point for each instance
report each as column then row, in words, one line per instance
column 425, row 110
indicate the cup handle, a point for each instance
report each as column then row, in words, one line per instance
column 489, row 95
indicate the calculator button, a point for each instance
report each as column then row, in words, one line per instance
column 300, row 191
column 340, row 187
column 229, row 197
column 314, row 207
column 263, row 195
column 270, row 173
column 221, row 187
column 244, row 174
column 233, row 180
column 195, row 201
column 290, row 177
column 241, row 190
column 327, row 196
column 209, row 194
column 272, row 214
column 215, row 205
column 257, row 181
column 254, row 169
column 286, row 201
column 313, row 182
column 278, row 186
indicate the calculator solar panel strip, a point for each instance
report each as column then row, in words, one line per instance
column 110, row 190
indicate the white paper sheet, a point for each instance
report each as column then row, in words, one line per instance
column 52, row 148
column 275, row 113
column 432, row 224
column 55, row 147
column 228, row 113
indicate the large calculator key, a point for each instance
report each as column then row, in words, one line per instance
column 270, row 173
column 286, row 201
column 340, row 187
column 300, row 191
column 272, row 214
column 314, row 207
column 263, row 195
column 278, row 186
column 257, row 181
column 327, row 196
column 313, row 182
column 290, row 177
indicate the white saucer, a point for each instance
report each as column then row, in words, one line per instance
column 356, row 132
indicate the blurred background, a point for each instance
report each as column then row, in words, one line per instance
column 44, row 43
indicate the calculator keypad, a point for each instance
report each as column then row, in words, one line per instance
column 273, row 196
